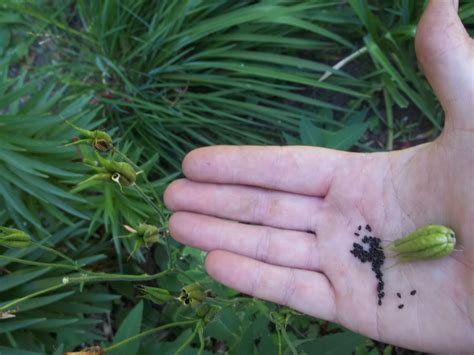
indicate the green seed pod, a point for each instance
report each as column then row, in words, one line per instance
column 156, row 295
column 192, row 295
column 150, row 234
column 121, row 172
column 99, row 140
column 428, row 242
column 102, row 141
column 14, row 238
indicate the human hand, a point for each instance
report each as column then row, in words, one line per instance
column 300, row 207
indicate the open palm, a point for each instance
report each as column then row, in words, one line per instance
column 279, row 222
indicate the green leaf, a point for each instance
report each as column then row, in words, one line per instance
column 20, row 277
column 16, row 351
column 9, row 325
column 334, row 344
column 310, row 134
column 40, row 301
column 129, row 327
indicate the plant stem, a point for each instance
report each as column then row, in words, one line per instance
column 84, row 278
column 31, row 295
column 149, row 331
column 279, row 340
column 343, row 62
column 135, row 166
column 201, row 341
column 288, row 341
column 190, row 339
column 37, row 263
column 150, row 202
column 61, row 255
column 389, row 114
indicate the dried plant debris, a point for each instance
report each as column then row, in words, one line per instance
column 371, row 251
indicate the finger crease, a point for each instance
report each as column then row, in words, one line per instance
column 289, row 288
column 263, row 246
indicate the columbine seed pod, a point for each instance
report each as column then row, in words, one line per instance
column 121, row 172
column 429, row 242
column 156, row 295
column 102, row 141
column 150, row 234
column 14, row 238
column 99, row 140
column 192, row 295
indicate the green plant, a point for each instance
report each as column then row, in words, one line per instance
column 131, row 86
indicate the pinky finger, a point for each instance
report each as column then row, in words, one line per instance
column 305, row 291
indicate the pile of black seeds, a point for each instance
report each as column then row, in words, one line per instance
column 371, row 251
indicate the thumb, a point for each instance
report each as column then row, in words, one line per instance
column 446, row 53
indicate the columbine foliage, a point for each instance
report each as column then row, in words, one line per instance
column 142, row 83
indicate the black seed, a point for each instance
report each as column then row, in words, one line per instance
column 399, row 295
column 380, row 302
column 400, row 306
column 359, row 228
column 367, row 227
column 357, row 234
column 381, row 294
column 413, row 292
column 365, row 239
column 379, row 287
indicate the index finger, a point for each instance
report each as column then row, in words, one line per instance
column 296, row 169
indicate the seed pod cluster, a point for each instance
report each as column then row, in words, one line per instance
column 144, row 234
column 429, row 242
column 110, row 170
column 148, row 233
column 14, row 238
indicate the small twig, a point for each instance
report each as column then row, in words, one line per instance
column 343, row 62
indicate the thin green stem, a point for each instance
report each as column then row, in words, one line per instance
column 58, row 253
column 201, row 341
column 279, row 340
column 168, row 252
column 11, row 340
column 155, row 195
column 190, row 338
column 31, row 295
column 288, row 341
column 148, row 332
column 85, row 278
column 150, row 202
column 389, row 114
column 37, row 263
